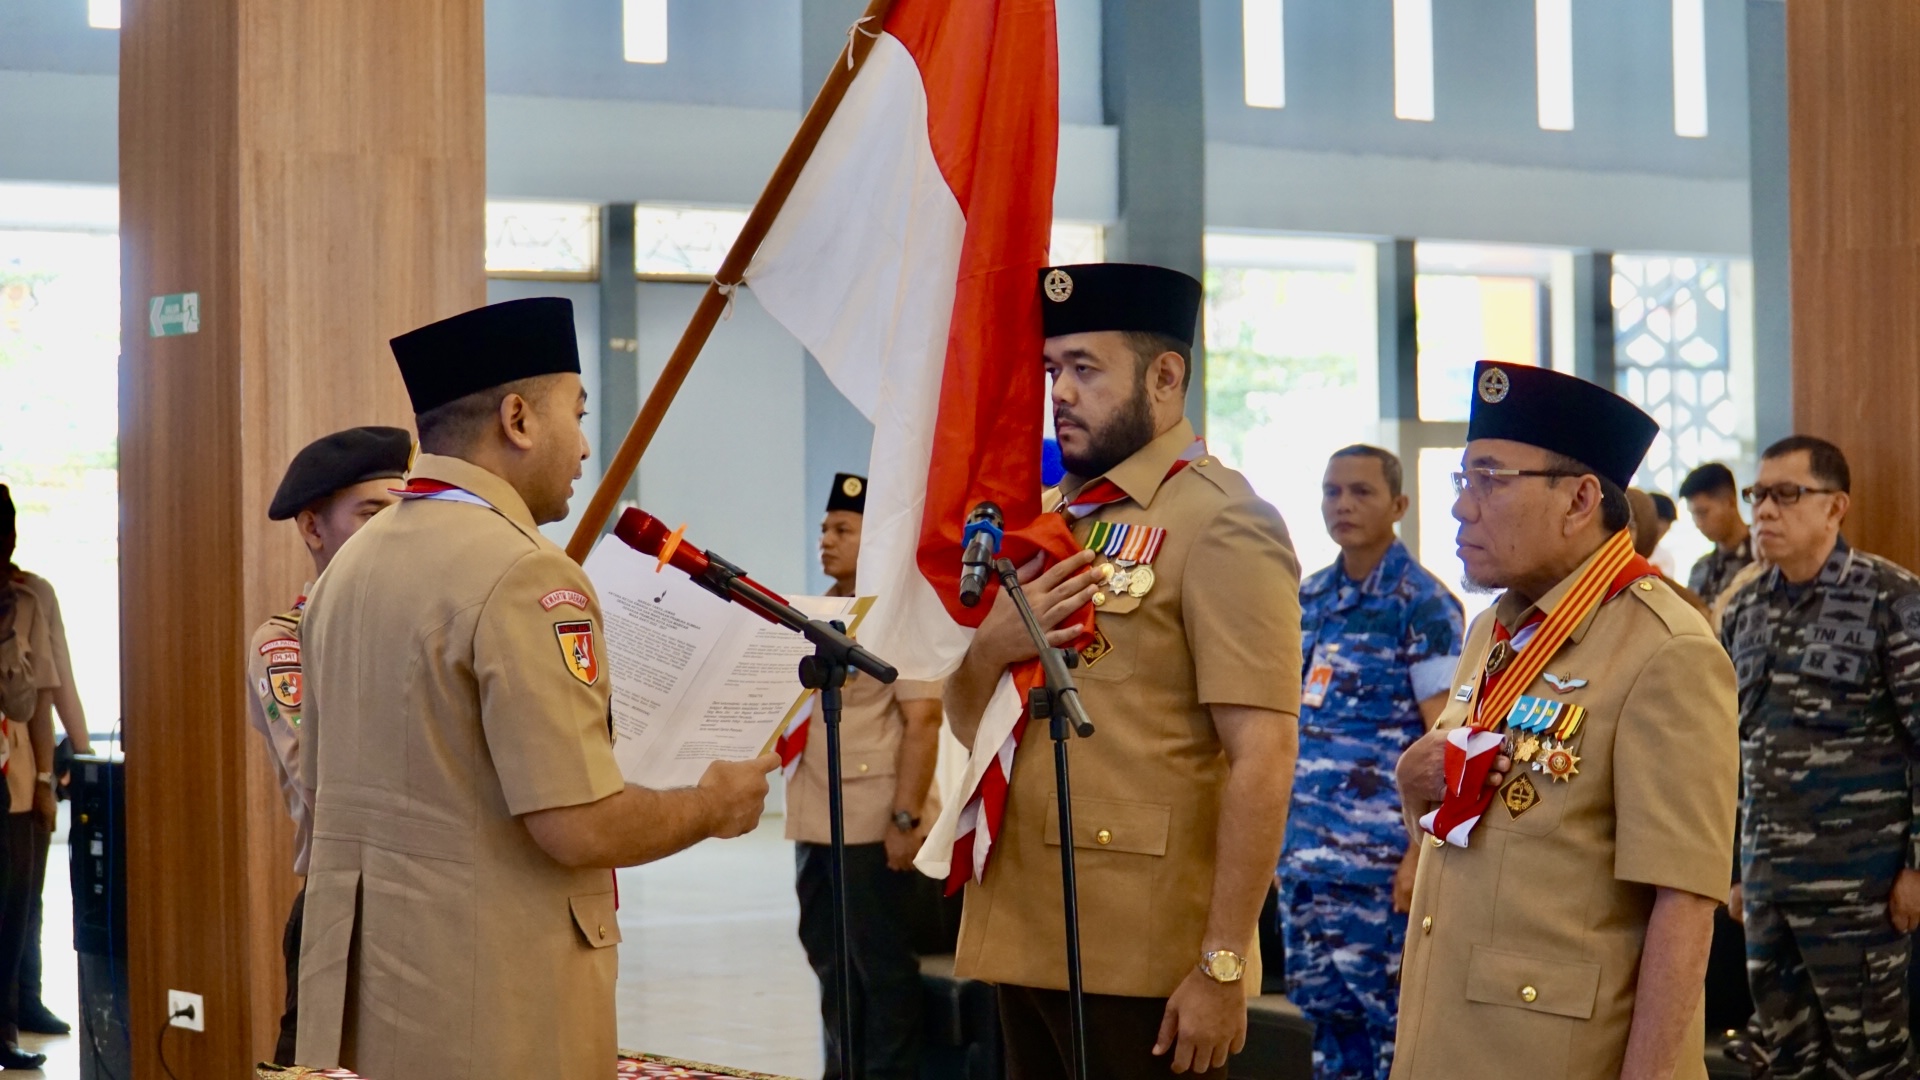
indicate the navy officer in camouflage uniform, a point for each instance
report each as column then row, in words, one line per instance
column 1380, row 639
column 1827, row 648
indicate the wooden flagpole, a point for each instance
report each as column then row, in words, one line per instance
column 718, row 295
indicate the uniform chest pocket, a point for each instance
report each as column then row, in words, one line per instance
column 1110, row 657
column 1529, row 803
column 1113, row 825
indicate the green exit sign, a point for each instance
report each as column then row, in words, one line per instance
column 174, row 314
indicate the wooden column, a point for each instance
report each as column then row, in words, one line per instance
column 1853, row 93
column 316, row 174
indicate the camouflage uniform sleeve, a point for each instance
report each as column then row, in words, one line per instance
column 1436, row 627
column 1900, row 642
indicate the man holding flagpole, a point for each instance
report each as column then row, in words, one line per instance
column 1191, row 676
column 1576, row 796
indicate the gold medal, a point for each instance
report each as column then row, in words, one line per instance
column 1106, row 571
column 1139, row 581
column 1562, row 764
column 1099, row 599
column 1499, row 658
column 1528, row 748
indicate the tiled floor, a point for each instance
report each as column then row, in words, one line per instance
column 710, row 969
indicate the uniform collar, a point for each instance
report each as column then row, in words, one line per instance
column 490, row 486
column 1513, row 615
column 1380, row 582
column 1833, row 573
column 1141, row 475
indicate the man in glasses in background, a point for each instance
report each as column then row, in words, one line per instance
column 1826, row 646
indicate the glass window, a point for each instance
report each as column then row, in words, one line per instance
column 545, row 238
column 1476, row 302
column 644, row 27
column 1077, row 242
column 1673, row 357
column 1553, row 62
column 1690, row 68
column 1413, row 59
column 1291, row 373
column 682, row 241
column 1437, row 527
column 59, row 346
column 1264, row 53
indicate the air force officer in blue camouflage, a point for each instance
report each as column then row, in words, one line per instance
column 1380, row 637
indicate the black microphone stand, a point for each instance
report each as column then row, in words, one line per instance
column 1057, row 701
column 835, row 656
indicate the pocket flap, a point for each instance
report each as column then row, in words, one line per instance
column 1536, row 983
column 594, row 915
column 1112, row 825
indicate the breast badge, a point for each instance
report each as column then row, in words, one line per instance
column 577, row 649
column 1541, row 734
column 1097, row 649
column 1520, row 796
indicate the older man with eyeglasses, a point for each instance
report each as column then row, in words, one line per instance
column 1576, row 796
column 1826, row 646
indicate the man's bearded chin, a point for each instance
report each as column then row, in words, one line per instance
column 1114, row 442
column 1477, row 588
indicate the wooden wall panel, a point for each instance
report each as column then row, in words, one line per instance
column 1853, row 93
column 316, row 172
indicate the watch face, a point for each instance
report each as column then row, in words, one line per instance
column 1224, row 966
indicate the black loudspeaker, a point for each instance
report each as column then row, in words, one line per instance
column 96, row 845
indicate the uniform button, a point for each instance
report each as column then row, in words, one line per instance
column 1426, row 925
column 603, row 932
column 1103, row 838
column 1436, row 841
column 1529, row 995
column 863, row 767
column 1646, row 586
column 1099, row 599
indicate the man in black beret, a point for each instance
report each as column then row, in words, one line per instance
column 1576, row 796
column 331, row 488
column 459, row 905
column 1193, row 681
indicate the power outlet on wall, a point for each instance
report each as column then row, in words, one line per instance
column 186, row 1010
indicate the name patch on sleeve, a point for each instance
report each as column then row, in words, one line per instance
column 558, row 597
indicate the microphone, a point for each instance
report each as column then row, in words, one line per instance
column 982, row 537
column 649, row 535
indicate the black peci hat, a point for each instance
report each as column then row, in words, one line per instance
column 340, row 460
column 1119, row 296
column 1563, row 414
column 849, row 493
column 486, row 347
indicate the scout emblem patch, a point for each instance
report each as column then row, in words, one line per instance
column 576, row 648
column 1520, row 796
column 1097, row 649
column 1131, row 550
column 284, row 681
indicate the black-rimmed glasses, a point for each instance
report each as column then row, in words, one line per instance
column 1784, row 494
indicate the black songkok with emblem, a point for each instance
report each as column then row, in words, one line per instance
column 487, row 347
column 340, row 460
column 1091, row 297
column 1566, row 415
column 849, row 493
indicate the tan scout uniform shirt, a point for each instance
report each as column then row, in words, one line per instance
column 1523, row 948
column 275, row 692
column 871, row 725
column 28, row 665
column 454, row 682
column 1221, row 626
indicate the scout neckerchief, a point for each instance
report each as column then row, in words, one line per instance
column 438, row 491
column 986, row 808
column 1514, row 661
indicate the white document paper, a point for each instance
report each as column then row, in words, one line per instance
column 695, row 678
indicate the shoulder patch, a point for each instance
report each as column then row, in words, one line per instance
column 1907, row 610
column 286, row 684
column 557, row 597
column 578, row 651
column 281, row 645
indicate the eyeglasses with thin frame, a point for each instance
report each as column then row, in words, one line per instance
column 1784, row 494
column 1483, row 482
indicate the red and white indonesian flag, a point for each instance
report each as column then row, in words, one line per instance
column 906, row 260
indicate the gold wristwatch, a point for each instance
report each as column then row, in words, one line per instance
column 1223, row 965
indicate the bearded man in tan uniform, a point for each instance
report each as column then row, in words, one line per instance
column 332, row 487
column 1180, row 797
column 1577, row 793
column 460, row 913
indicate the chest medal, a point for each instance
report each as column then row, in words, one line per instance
column 1130, row 551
